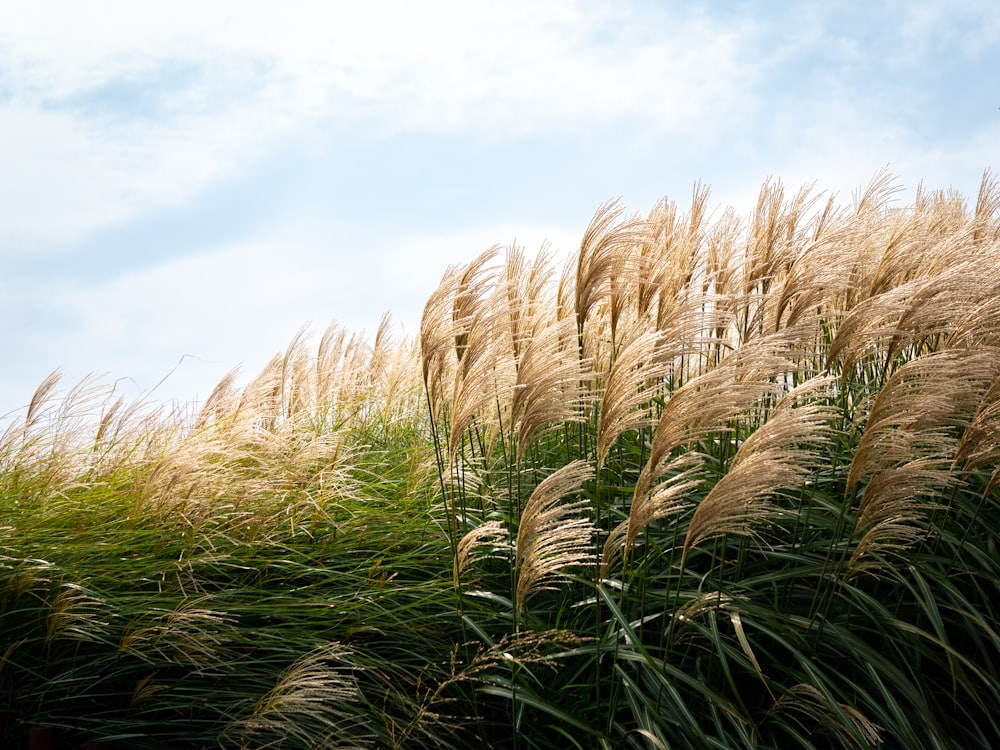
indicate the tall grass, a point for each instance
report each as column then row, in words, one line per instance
column 785, row 536
column 714, row 483
column 268, row 571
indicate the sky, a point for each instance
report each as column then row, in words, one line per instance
column 185, row 186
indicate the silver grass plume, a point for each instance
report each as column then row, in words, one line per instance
column 709, row 402
column 909, row 443
column 489, row 539
column 666, row 499
column 316, row 702
column 550, row 387
column 605, row 263
column 437, row 341
column 636, row 378
column 777, row 455
column 980, row 443
column 818, row 713
column 553, row 536
column 485, row 379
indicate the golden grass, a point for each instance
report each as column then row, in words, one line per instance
column 817, row 714
column 779, row 454
column 311, row 703
column 553, row 536
column 687, row 329
column 250, row 454
column 667, row 325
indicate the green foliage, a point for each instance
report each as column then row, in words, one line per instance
column 152, row 633
column 715, row 486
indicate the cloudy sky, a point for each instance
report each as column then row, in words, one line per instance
column 185, row 185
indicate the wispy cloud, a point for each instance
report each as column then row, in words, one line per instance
column 146, row 108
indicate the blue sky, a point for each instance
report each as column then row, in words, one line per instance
column 184, row 186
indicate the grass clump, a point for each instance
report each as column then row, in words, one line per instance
column 790, row 542
column 715, row 483
column 269, row 571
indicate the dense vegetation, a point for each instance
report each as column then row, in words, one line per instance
column 717, row 483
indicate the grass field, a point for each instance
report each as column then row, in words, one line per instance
column 719, row 482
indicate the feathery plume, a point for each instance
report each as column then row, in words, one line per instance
column 987, row 216
column 550, row 386
column 821, row 274
column 872, row 320
column 190, row 634
column 892, row 510
column 42, row 395
column 653, row 256
column 469, row 299
column 491, row 535
column 814, row 711
column 920, row 410
column 910, row 441
column 316, row 703
column 876, row 196
column 666, row 499
column 607, row 253
column 774, row 230
column 78, row 614
column 775, row 456
column 528, row 296
column 221, row 402
column 637, row 376
column 710, row 401
column 553, row 535
column 980, row 443
column 486, row 376
column 437, row 340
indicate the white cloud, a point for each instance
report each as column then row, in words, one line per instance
column 79, row 145
column 432, row 64
column 969, row 27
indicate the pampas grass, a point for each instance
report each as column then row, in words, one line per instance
column 314, row 703
column 780, row 454
column 553, row 536
column 769, row 409
column 716, row 482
